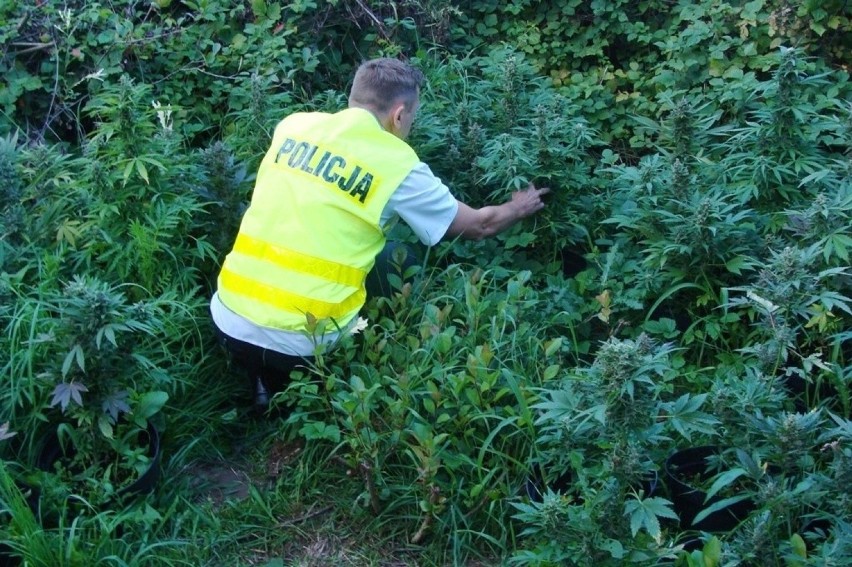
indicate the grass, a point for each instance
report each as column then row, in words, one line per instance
column 263, row 501
column 234, row 491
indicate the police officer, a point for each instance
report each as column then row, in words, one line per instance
column 325, row 192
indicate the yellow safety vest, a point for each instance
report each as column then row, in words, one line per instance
column 312, row 231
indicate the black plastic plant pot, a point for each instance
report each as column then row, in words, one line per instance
column 572, row 262
column 52, row 451
column 146, row 483
column 688, row 467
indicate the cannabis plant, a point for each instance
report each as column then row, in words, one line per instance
column 774, row 157
column 490, row 126
column 605, row 427
column 95, row 372
column 108, row 377
column 795, row 463
column 798, row 310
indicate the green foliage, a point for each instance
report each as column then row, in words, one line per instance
column 209, row 59
column 607, row 426
column 430, row 404
column 98, row 366
column 698, row 155
column 102, row 261
column 489, row 125
column 707, row 556
column 203, row 49
column 615, row 59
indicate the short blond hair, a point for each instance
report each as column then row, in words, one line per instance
column 380, row 84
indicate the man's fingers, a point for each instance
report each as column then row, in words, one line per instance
column 530, row 199
column 542, row 191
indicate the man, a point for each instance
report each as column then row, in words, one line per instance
column 325, row 192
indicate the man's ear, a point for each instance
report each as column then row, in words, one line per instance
column 396, row 115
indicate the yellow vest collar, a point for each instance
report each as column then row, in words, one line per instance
column 359, row 110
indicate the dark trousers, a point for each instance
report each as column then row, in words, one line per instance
column 273, row 368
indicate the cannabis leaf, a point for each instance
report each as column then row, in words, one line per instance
column 646, row 513
column 66, row 392
column 115, row 404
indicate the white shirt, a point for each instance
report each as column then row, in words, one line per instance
column 422, row 201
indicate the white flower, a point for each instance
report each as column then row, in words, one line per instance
column 359, row 326
column 99, row 75
column 65, row 16
column 165, row 115
column 5, row 433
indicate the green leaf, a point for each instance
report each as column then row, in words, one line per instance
column 720, row 505
column 258, row 8
column 115, row 404
column 150, row 403
column 712, row 552
column 645, row 514
column 357, row 384
column 128, row 169
column 553, row 346
column 659, row 507
column 150, row 515
column 733, row 73
column 735, row 264
column 616, row 550
column 723, row 480
column 318, row 430
column 839, row 242
column 550, row 372
column 685, row 415
column 799, row 546
column 74, row 355
column 109, row 333
column 238, row 41
column 142, row 170
column 105, row 426
column 815, row 176
column 273, row 12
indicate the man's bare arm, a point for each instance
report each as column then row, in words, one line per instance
column 487, row 221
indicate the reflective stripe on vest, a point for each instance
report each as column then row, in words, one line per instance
column 311, row 233
column 298, row 262
column 284, row 300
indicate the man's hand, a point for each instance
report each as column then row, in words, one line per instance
column 528, row 201
column 482, row 223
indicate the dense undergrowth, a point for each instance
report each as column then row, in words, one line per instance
column 687, row 285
